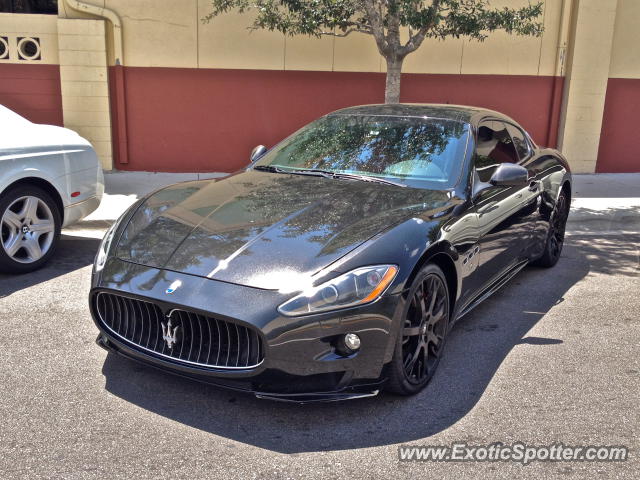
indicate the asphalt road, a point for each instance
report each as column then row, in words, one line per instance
column 552, row 357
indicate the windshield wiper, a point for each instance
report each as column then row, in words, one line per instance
column 301, row 171
column 295, row 171
column 350, row 176
column 269, row 168
column 316, row 172
column 367, row 178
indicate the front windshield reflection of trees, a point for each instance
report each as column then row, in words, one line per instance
column 402, row 148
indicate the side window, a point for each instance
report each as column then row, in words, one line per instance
column 519, row 141
column 493, row 147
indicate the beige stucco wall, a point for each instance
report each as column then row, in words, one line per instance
column 602, row 35
column 43, row 27
column 586, row 86
column 625, row 56
column 170, row 33
column 84, row 83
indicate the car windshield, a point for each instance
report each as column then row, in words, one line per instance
column 421, row 152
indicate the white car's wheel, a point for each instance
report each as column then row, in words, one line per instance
column 29, row 229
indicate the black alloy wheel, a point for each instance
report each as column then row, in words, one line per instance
column 422, row 338
column 555, row 236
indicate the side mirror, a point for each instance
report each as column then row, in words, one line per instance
column 510, row 175
column 257, row 152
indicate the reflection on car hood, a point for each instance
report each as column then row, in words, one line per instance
column 264, row 230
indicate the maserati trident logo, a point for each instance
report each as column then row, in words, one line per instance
column 170, row 335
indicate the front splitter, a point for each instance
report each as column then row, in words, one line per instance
column 350, row 393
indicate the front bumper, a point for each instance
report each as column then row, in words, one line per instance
column 338, row 393
column 301, row 362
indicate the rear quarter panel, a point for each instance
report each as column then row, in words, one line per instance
column 53, row 154
column 44, row 163
column 552, row 170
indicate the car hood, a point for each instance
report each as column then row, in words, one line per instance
column 265, row 230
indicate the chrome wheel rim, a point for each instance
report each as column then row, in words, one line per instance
column 28, row 229
column 424, row 328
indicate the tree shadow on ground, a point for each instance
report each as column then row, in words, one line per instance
column 609, row 255
column 622, row 220
column 476, row 348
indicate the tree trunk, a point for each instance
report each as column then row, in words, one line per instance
column 392, row 88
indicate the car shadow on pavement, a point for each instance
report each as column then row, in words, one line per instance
column 73, row 253
column 476, row 348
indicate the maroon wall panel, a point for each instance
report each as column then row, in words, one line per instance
column 620, row 137
column 527, row 99
column 208, row 120
column 33, row 91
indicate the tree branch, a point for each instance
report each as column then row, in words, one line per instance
column 416, row 40
column 377, row 27
column 347, row 32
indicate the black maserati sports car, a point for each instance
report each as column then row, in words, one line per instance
column 335, row 264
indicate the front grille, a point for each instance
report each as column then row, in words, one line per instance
column 193, row 338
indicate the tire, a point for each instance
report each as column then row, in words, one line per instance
column 30, row 224
column 422, row 333
column 555, row 236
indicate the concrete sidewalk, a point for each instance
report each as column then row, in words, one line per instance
column 603, row 204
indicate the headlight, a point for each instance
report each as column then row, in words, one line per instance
column 358, row 287
column 103, row 251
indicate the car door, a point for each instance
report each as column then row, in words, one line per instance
column 503, row 213
column 532, row 195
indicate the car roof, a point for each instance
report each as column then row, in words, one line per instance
column 460, row 113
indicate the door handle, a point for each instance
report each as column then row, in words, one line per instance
column 533, row 185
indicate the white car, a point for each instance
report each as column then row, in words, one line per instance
column 50, row 177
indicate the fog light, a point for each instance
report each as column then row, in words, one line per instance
column 352, row 341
